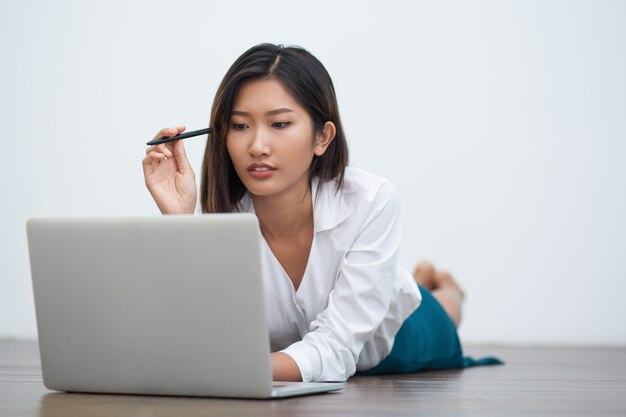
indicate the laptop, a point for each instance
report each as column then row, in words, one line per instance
column 167, row 305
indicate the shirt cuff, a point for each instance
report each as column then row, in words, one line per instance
column 306, row 369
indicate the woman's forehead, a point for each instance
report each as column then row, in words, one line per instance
column 264, row 96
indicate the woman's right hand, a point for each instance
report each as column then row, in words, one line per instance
column 169, row 176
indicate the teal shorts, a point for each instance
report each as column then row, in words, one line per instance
column 427, row 340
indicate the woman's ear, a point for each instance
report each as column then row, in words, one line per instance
column 324, row 138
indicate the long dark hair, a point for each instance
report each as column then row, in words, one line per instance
column 307, row 80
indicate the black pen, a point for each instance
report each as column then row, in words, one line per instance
column 183, row 135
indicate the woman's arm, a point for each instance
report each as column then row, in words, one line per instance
column 361, row 294
column 284, row 368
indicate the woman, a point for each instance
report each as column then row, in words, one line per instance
column 338, row 302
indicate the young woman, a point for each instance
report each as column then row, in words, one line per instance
column 338, row 301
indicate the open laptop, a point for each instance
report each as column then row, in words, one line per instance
column 167, row 305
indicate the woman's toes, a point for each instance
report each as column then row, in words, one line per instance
column 443, row 279
column 424, row 275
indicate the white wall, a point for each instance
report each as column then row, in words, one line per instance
column 502, row 124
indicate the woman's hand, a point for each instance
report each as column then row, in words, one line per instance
column 169, row 176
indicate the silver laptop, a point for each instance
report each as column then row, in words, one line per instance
column 168, row 305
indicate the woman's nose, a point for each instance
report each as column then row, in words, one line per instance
column 260, row 143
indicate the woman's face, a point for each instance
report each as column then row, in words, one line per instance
column 271, row 140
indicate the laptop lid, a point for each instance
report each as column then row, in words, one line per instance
column 167, row 305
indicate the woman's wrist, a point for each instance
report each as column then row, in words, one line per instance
column 177, row 210
column 284, row 368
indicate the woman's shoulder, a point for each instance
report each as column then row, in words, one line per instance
column 359, row 183
column 362, row 197
column 363, row 194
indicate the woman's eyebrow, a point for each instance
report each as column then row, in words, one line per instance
column 278, row 111
column 269, row 113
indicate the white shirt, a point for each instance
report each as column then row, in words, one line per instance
column 354, row 296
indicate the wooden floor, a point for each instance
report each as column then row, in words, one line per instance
column 534, row 381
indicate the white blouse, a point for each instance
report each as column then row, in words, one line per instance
column 354, row 296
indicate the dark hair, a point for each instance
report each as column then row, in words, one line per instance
column 307, row 80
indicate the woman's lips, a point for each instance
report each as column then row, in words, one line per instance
column 261, row 170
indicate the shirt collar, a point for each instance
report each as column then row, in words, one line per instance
column 329, row 206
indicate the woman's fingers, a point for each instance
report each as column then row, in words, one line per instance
column 168, row 132
column 164, row 148
column 156, row 157
column 167, row 150
column 149, row 160
column 181, row 157
column 159, row 153
column 168, row 175
column 147, row 166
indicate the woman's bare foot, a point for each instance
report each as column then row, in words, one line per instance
column 443, row 279
column 443, row 287
column 428, row 277
column 424, row 275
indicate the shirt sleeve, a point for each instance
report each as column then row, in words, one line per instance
column 360, row 298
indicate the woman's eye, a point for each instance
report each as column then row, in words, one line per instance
column 239, row 126
column 281, row 125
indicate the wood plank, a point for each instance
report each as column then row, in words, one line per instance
column 534, row 381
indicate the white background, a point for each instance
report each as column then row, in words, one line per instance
column 502, row 125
